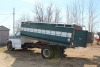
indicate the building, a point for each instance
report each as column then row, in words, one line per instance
column 4, row 34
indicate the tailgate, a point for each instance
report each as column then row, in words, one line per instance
column 80, row 38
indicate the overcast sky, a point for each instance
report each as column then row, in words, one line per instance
column 26, row 7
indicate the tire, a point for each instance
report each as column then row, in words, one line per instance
column 9, row 46
column 47, row 53
column 60, row 52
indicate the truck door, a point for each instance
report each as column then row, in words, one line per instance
column 80, row 38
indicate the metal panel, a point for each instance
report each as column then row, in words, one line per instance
column 47, row 27
column 57, row 39
column 80, row 38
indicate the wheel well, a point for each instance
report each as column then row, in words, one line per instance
column 9, row 42
column 27, row 45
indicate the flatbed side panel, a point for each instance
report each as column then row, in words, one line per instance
column 48, row 32
column 57, row 39
column 42, row 40
column 52, row 27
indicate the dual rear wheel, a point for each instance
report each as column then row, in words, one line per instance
column 49, row 53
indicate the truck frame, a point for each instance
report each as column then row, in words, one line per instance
column 51, row 38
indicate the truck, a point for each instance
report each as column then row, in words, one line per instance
column 52, row 38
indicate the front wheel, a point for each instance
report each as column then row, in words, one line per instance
column 9, row 46
column 47, row 53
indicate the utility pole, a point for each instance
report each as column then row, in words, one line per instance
column 13, row 21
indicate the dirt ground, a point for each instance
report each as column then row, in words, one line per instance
column 77, row 57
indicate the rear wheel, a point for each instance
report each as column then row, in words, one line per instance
column 48, row 53
column 60, row 52
column 9, row 46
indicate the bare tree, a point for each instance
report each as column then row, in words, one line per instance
column 74, row 12
column 68, row 14
column 82, row 12
column 23, row 18
column 46, row 14
column 92, row 16
column 39, row 12
column 49, row 13
column 57, row 17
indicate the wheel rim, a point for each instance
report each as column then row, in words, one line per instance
column 46, row 52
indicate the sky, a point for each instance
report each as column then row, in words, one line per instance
column 27, row 7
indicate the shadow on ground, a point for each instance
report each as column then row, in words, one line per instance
column 3, row 45
column 29, row 58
